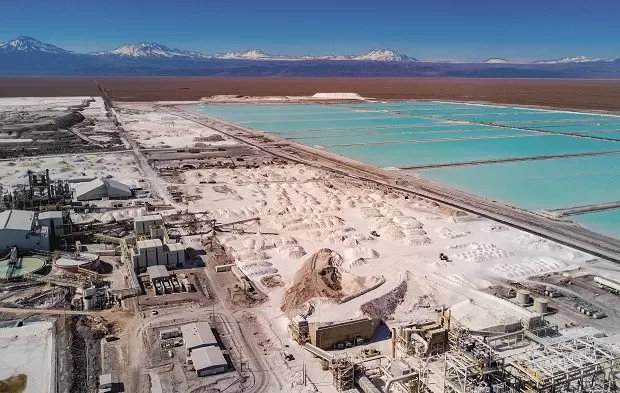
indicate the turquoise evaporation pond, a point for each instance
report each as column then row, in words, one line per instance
column 428, row 153
column 610, row 135
column 606, row 222
column 283, row 125
column 387, row 131
column 543, row 184
column 411, row 137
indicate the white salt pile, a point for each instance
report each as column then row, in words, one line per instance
column 530, row 266
column 482, row 252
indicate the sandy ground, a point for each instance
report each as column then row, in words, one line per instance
column 28, row 350
column 310, row 210
column 153, row 128
column 120, row 166
column 558, row 93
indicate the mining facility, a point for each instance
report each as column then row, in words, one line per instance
column 440, row 356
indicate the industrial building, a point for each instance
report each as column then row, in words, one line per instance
column 102, row 188
column 168, row 334
column 105, row 383
column 152, row 252
column 54, row 220
column 24, row 230
column 142, row 225
column 342, row 334
column 198, row 335
column 443, row 357
column 209, row 361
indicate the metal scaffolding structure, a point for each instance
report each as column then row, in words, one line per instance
column 343, row 371
column 584, row 364
column 476, row 364
column 40, row 191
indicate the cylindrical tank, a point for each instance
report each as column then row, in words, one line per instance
column 523, row 296
column 540, row 305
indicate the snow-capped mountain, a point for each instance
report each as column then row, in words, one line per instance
column 252, row 54
column 149, row 49
column 373, row 55
column 383, row 55
column 496, row 60
column 30, row 45
column 575, row 59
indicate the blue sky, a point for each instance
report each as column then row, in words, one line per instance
column 428, row 30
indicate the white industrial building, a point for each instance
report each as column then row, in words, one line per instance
column 198, row 335
column 24, row 230
column 152, row 252
column 100, row 189
column 209, row 361
column 143, row 225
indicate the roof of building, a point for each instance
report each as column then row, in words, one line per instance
column 152, row 217
column 150, row 243
column 197, row 334
column 157, row 271
column 50, row 215
column 16, row 219
column 208, row 357
column 105, row 379
column 112, row 187
column 175, row 247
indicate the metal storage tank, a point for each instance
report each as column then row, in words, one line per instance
column 540, row 305
column 523, row 297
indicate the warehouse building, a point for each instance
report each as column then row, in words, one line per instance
column 22, row 229
column 209, row 361
column 342, row 334
column 198, row 335
column 102, row 188
column 152, row 252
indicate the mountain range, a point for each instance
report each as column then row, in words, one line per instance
column 26, row 55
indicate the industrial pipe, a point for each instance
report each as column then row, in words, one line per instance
column 397, row 379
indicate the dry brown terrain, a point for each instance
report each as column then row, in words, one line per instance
column 560, row 93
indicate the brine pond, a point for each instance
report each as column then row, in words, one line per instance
column 536, row 159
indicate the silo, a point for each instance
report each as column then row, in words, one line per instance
column 523, row 297
column 540, row 305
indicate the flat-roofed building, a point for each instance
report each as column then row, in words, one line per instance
column 198, row 335
column 209, row 361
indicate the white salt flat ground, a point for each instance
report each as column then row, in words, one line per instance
column 28, row 350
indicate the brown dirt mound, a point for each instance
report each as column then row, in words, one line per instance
column 383, row 307
column 14, row 384
column 319, row 277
